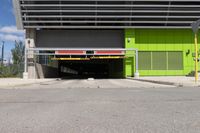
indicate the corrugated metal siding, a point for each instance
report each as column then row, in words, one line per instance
column 171, row 40
column 80, row 38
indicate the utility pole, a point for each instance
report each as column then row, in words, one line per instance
column 195, row 28
column 2, row 53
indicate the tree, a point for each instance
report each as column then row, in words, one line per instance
column 16, row 69
column 18, row 53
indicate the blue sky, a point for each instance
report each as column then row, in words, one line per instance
column 8, row 30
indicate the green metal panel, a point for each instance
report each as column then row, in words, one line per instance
column 172, row 41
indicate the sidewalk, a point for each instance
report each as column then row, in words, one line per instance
column 13, row 82
column 179, row 81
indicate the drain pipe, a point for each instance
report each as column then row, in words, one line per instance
column 25, row 74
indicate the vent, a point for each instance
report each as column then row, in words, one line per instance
column 170, row 60
column 144, row 60
column 107, row 13
column 159, row 61
column 175, row 60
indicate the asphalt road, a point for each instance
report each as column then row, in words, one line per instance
column 99, row 106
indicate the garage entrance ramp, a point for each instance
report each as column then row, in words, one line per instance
column 84, row 63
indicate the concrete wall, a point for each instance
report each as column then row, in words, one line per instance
column 43, row 71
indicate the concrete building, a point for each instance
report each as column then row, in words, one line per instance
column 101, row 37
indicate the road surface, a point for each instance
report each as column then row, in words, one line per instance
column 99, row 106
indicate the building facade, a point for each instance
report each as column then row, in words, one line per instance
column 159, row 29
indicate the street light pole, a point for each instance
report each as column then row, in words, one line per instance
column 195, row 28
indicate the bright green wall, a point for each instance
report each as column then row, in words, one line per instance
column 161, row 40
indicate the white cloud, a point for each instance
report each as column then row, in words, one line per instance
column 10, row 37
column 11, row 33
column 11, row 30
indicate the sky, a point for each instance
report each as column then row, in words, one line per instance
column 8, row 30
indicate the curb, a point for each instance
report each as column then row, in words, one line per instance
column 25, row 84
column 166, row 83
column 156, row 82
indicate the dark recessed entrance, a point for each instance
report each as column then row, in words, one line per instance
column 112, row 68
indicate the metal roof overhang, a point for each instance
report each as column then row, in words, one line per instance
column 106, row 14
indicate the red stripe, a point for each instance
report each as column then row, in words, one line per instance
column 110, row 52
column 70, row 52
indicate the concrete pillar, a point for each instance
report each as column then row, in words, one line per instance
column 35, row 70
column 30, row 43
